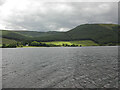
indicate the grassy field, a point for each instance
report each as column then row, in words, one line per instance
column 83, row 43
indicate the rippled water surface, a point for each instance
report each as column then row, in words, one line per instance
column 60, row 67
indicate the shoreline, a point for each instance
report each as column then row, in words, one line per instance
column 65, row 47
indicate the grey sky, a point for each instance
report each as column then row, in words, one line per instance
column 54, row 16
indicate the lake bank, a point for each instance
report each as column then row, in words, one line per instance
column 80, row 43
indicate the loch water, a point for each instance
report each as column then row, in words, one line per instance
column 60, row 67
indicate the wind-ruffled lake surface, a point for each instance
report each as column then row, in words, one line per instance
column 60, row 67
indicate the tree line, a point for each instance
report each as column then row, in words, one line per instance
column 35, row 43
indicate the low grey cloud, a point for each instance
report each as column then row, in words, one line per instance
column 55, row 16
column 2, row 2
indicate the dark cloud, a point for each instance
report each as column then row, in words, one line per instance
column 2, row 2
column 59, row 16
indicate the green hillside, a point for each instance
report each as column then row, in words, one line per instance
column 99, row 33
column 8, row 41
column 13, row 35
column 102, row 34
column 36, row 33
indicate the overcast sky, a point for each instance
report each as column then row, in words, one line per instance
column 36, row 15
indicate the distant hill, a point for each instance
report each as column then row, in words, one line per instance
column 99, row 33
column 36, row 33
column 12, row 35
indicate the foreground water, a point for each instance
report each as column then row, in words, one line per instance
column 60, row 67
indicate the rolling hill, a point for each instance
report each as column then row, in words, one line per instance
column 99, row 33
column 12, row 35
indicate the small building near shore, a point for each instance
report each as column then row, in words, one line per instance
column 27, row 45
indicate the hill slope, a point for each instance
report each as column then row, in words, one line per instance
column 99, row 33
column 12, row 35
